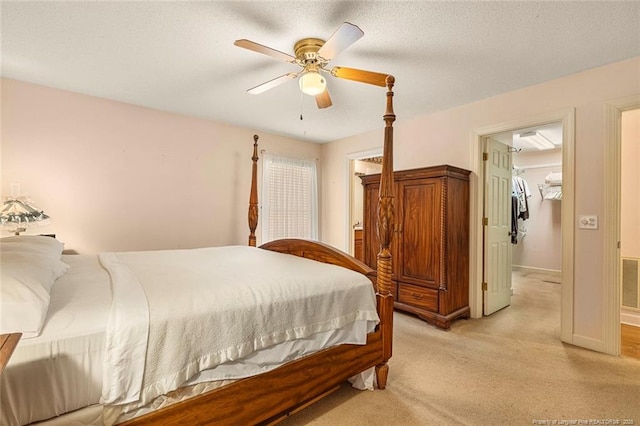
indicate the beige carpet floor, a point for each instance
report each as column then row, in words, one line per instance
column 506, row 369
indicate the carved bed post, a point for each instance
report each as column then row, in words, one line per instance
column 253, row 197
column 385, row 234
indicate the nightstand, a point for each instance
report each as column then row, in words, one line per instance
column 8, row 343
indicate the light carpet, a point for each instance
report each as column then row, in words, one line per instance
column 508, row 368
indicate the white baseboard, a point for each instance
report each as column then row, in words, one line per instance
column 588, row 343
column 531, row 269
column 630, row 317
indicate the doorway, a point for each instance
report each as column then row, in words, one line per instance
column 358, row 164
column 522, row 207
column 612, row 216
column 630, row 233
column 478, row 137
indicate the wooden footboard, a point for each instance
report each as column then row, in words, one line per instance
column 324, row 253
column 274, row 395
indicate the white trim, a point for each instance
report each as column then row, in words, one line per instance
column 374, row 152
column 531, row 269
column 568, row 225
column 630, row 316
column 611, row 296
column 567, row 117
column 588, row 343
column 475, row 227
column 359, row 155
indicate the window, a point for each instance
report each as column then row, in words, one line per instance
column 289, row 198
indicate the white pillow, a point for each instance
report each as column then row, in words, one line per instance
column 25, row 283
column 36, row 244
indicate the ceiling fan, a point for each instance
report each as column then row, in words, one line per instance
column 313, row 55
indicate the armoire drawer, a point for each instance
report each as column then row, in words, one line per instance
column 418, row 296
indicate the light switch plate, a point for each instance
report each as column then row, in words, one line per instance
column 588, row 222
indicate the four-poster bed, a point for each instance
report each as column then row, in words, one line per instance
column 274, row 395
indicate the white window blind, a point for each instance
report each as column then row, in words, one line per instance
column 289, row 198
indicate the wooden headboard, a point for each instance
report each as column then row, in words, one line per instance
column 385, row 199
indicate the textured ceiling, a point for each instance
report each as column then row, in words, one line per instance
column 180, row 57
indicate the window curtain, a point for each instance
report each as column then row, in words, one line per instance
column 289, row 198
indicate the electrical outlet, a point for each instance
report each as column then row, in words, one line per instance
column 588, row 222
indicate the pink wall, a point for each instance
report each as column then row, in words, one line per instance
column 120, row 177
column 114, row 176
column 445, row 137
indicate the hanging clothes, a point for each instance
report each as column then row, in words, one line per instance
column 520, row 205
column 514, row 219
column 520, row 189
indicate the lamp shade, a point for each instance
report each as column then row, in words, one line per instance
column 18, row 213
column 312, row 83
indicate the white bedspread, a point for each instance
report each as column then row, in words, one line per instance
column 176, row 313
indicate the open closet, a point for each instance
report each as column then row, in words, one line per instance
column 537, row 246
column 533, row 252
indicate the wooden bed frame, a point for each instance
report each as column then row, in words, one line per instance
column 270, row 397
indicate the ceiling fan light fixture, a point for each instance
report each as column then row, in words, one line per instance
column 312, row 83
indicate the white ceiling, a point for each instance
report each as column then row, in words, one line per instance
column 179, row 56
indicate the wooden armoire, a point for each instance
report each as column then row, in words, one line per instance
column 430, row 246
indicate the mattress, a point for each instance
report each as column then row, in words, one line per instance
column 61, row 370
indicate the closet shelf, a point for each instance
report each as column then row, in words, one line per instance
column 550, row 192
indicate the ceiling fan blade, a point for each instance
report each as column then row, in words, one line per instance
column 251, row 45
column 362, row 76
column 272, row 83
column 323, row 100
column 342, row 38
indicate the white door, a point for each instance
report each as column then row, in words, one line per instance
column 497, row 227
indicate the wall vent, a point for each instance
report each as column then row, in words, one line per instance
column 630, row 283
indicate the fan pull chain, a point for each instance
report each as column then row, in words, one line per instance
column 301, row 100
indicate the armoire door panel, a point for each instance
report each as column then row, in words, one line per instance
column 420, row 236
column 370, row 234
